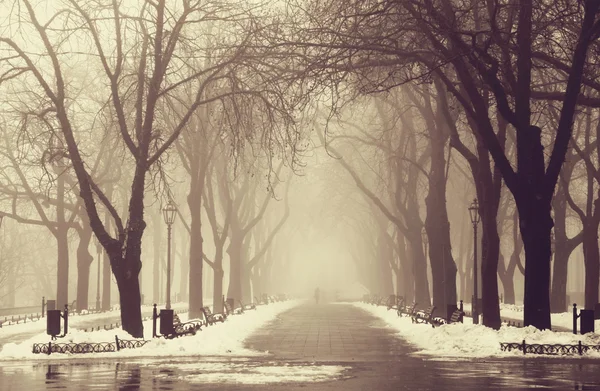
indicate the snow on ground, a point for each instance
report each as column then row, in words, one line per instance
column 564, row 319
column 220, row 339
column 252, row 372
column 471, row 341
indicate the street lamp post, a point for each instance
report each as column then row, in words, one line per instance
column 169, row 214
column 475, row 218
column 99, row 258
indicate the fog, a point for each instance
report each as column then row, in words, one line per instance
column 286, row 152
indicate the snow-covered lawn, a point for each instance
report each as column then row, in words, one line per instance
column 221, row 339
column 471, row 341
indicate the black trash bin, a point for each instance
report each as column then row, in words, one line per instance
column 587, row 321
column 166, row 322
column 53, row 322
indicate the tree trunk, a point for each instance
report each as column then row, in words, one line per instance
column 419, row 268
column 509, row 290
column 184, row 273
column 591, row 258
column 535, row 224
column 246, row 288
column 490, row 252
column 84, row 261
column 386, row 255
column 62, row 271
column 562, row 252
column 106, row 280
column 218, row 289
column 196, row 262
column 443, row 267
column 129, row 298
column 234, row 250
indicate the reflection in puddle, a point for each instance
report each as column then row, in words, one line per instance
column 199, row 373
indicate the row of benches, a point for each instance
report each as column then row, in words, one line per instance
column 394, row 302
column 210, row 318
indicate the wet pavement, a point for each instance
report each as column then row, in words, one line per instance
column 342, row 346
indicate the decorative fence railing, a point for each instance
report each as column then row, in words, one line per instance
column 549, row 349
column 87, row 347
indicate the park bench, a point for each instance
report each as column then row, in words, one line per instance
column 245, row 307
column 424, row 316
column 400, row 305
column 211, row 318
column 184, row 328
column 408, row 310
column 393, row 302
column 229, row 310
column 259, row 302
column 456, row 317
column 374, row 299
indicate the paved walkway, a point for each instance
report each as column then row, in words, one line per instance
column 329, row 332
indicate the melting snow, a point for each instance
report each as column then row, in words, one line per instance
column 472, row 341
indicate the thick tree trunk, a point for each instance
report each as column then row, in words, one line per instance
column 404, row 278
column 184, row 274
column 84, row 261
column 234, row 250
column 508, row 277
column 246, row 288
column 106, row 279
column 419, row 268
column 196, row 262
column 129, row 299
column 490, row 248
column 106, row 268
column 535, row 224
column 386, row 255
column 443, row 267
column 218, row 290
column 591, row 258
column 246, row 284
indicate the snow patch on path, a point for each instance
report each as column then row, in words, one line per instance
column 249, row 373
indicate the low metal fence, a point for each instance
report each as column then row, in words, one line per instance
column 548, row 349
column 87, row 347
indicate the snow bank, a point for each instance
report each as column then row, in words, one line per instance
column 220, row 339
column 467, row 340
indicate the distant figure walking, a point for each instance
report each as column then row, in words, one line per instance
column 317, row 293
